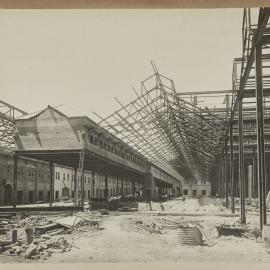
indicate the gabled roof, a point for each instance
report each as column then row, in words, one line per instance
column 36, row 114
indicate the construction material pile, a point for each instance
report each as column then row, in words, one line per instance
column 225, row 230
column 39, row 235
column 41, row 247
column 155, row 224
column 186, row 205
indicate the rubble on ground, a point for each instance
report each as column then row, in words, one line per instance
column 47, row 233
column 157, row 225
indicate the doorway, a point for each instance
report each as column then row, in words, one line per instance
column 19, row 197
column 8, row 194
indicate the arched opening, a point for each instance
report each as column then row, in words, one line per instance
column 8, row 194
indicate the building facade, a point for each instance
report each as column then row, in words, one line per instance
column 33, row 182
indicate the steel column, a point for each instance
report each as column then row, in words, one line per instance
column 36, row 180
column 51, row 184
column 254, row 182
column 117, row 187
column 241, row 161
column 260, row 134
column 75, row 185
column 106, row 180
column 82, row 184
column 15, row 178
column 133, row 188
column 93, row 185
column 226, row 175
column 122, row 183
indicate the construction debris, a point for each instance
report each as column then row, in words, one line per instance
column 156, row 224
column 35, row 237
column 127, row 209
column 231, row 229
column 189, row 236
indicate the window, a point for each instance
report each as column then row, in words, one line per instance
column 194, row 192
column 56, row 194
column 203, row 192
column 68, row 176
column 185, row 191
column 88, row 194
column 64, row 176
column 73, row 194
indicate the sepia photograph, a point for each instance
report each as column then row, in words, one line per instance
column 134, row 135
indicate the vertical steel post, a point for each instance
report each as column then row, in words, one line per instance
column 126, row 187
column 226, row 175
column 241, row 161
column 36, row 180
column 93, row 184
column 75, row 185
column 15, row 178
column 220, row 177
column 51, row 184
column 122, row 183
column 133, row 188
column 106, row 181
column 82, row 184
column 260, row 134
column 254, row 181
column 117, row 187
column 232, row 169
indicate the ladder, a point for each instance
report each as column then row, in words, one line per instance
column 80, row 169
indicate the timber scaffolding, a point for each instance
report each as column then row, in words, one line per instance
column 181, row 136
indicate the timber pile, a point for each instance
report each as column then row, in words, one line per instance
column 155, row 224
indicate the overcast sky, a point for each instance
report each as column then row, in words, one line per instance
column 84, row 58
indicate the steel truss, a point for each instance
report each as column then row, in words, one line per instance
column 174, row 134
column 7, row 126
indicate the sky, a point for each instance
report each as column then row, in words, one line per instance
column 85, row 58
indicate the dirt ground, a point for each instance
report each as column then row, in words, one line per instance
column 118, row 241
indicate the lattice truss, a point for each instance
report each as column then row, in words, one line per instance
column 172, row 133
column 7, row 126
